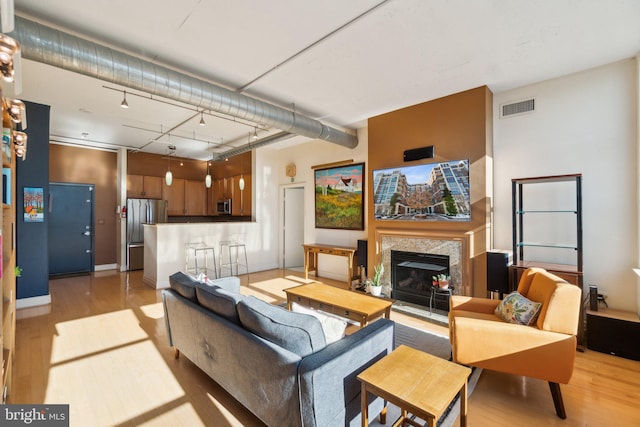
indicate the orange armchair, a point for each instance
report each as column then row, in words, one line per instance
column 545, row 350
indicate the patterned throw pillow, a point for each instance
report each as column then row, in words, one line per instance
column 515, row 308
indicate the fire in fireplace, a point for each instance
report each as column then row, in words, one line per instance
column 412, row 277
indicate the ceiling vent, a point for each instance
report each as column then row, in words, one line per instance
column 517, row 108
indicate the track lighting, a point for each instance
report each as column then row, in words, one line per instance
column 17, row 112
column 19, row 143
column 8, row 49
column 202, row 123
column 124, row 103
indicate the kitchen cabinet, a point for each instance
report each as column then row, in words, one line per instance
column 195, row 198
column 223, row 189
column 174, row 195
column 185, row 197
column 145, row 187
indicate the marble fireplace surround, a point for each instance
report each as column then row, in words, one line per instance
column 454, row 244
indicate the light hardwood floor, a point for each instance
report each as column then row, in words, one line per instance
column 101, row 347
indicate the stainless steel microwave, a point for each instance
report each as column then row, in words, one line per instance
column 223, row 207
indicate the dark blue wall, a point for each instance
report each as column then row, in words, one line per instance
column 31, row 237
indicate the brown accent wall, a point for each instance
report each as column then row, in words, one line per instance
column 85, row 166
column 459, row 126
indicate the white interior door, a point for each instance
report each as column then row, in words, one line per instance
column 293, row 254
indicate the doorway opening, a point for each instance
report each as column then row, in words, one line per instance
column 293, row 227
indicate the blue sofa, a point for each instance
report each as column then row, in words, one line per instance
column 275, row 362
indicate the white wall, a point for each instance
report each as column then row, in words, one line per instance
column 584, row 123
column 305, row 156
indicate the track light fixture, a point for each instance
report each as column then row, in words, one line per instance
column 124, row 103
column 202, row 123
column 19, row 143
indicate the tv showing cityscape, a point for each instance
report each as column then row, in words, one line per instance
column 431, row 192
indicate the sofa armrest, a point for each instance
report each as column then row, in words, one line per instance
column 328, row 383
column 513, row 348
column 478, row 305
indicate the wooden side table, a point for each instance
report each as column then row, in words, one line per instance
column 418, row 383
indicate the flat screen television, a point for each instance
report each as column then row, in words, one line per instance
column 427, row 192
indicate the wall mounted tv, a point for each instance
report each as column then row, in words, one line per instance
column 428, row 192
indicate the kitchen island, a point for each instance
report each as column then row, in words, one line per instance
column 165, row 246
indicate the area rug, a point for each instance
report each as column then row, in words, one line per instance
column 439, row 346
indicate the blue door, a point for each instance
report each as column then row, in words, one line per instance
column 70, row 229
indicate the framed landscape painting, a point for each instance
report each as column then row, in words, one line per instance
column 339, row 193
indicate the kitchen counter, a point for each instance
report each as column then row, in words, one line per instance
column 165, row 245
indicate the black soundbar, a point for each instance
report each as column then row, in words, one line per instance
column 418, row 153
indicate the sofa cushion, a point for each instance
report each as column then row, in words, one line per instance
column 298, row 333
column 184, row 285
column 231, row 283
column 515, row 308
column 219, row 300
column 332, row 326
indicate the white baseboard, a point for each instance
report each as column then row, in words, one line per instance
column 33, row 301
column 104, row 267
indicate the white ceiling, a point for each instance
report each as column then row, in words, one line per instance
column 337, row 61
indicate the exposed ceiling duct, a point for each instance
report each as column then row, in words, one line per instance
column 53, row 47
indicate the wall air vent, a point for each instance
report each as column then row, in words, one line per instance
column 517, row 108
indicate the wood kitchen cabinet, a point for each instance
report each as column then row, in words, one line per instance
column 174, row 195
column 142, row 186
column 185, row 197
column 222, row 189
column 195, row 198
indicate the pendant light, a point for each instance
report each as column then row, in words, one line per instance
column 202, row 123
column 207, row 178
column 168, row 177
column 241, row 180
column 124, row 103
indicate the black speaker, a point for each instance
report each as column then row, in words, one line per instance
column 498, row 271
column 361, row 255
column 593, row 298
column 418, row 153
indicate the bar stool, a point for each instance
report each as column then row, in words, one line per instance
column 201, row 258
column 233, row 247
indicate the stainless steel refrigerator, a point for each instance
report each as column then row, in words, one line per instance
column 140, row 212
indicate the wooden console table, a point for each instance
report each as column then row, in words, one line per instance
column 311, row 251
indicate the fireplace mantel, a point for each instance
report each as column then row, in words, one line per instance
column 452, row 243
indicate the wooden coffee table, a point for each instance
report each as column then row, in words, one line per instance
column 341, row 302
column 416, row 382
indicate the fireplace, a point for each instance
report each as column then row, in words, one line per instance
column 412, row 276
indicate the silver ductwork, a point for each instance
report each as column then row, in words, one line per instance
column 54, row 47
